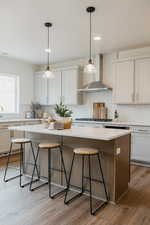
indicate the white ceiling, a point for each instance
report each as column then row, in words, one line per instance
column 120, row 23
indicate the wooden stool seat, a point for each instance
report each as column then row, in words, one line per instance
column 85, row 151
column 48, row 145
column 20, row 141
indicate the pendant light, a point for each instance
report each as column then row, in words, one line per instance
column 90, row 67
column 48, row 73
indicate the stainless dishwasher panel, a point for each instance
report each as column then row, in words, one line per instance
column 141, row 145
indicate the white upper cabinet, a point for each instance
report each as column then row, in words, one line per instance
column 64, row 86
column 70, row 86
column 132, row 79
column 40, row 88
column 142, row 81
column 54, row 89
column 124, row 79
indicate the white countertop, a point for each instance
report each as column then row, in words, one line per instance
column 17, row 120
column 81, row 132
column 119, row 123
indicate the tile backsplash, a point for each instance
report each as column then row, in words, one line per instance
column 138, row 113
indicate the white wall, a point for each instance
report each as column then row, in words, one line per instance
column 25, row 72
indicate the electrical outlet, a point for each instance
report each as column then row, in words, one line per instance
column 118, row 150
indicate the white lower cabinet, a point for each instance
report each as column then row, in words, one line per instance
column 4, row 140
column 140, row 148
column 6, row 135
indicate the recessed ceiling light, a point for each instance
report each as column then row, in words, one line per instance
column 48, row 50
column 97, row 38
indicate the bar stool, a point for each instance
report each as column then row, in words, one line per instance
column 87, row 152
column 21, row 142
column 49, row 147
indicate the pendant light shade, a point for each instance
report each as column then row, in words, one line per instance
column 90, row 67
column 48, row 73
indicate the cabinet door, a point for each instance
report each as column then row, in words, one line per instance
column 54, row 89
column 140, row 147
column 124, row 82
column 40, row 89
column 142, row 78
column 4, row 140
column 69, row 86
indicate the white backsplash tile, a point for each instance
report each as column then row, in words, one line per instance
column 132, row 113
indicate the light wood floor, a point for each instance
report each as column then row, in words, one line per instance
column 21, row 207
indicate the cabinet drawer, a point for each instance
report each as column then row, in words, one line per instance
column 32, row 122
column 141, row 129
column 4, row 140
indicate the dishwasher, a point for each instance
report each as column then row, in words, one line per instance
column 141, row 145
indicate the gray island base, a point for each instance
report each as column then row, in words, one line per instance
column 114, row 146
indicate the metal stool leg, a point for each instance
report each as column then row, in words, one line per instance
column 103, row 180
column 68, row 185
column 82, row 173
column 64, row 169
column 90, row 184
column 63, row 164
column 35, row 168
column 49, row 172
column 93, row 212
column 22, row 166
column 6, row 169
column 35, row 162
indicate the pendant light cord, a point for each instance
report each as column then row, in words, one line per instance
column 48, row 56
column 90, row 65
column 90, row 37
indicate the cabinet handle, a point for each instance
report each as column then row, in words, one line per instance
column 132, row 96
column 142, row 130
column 137, row 97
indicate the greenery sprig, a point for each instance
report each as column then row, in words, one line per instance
column 62, row 110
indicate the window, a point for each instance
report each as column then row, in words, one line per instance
column 9, row 93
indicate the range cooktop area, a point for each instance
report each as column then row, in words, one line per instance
column 94, row 119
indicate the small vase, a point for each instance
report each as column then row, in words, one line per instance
column 67, row 122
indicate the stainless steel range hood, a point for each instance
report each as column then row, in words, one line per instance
column 97, row 85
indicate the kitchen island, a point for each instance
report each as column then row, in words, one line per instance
column 114, row 146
